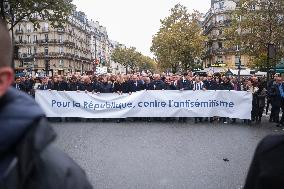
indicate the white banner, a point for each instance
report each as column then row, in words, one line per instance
column 233, row 104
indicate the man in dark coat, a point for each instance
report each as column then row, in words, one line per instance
column 62, row 84
column 46, row 85
column 135, row 84
column 185, row 82
column 267, row 167
column 87, row 85
column 105, row 86
column 27, row 158
column 74, row 84
column 210, row 83
column 276, row 100
column 157, row 83
column 19, row 85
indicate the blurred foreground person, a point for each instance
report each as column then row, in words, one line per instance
column 267, row 167
column 27, row 158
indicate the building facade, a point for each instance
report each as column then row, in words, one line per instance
column 216, row 20
column 58, row 50
column 81, row 45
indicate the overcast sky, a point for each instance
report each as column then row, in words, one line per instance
column 134, row 22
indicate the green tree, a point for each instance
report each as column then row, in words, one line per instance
column 147, row 63
column 128, row 57
column 179, row 40
column 255, row 25
column 131, row 59
column 55, row 11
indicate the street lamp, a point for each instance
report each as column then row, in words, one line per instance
column 271, row 53
column 238, row 62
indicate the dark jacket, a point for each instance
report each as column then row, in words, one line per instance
column 227, row 86
column 170, row 86
column 105, row 87
column 46, row 86
column 261, row 94
column 55, row 86
column 210, row 85
column 27, row 158
column 75, row 86
column 267, row 167
column 135, row 86
column 20, row 86
column 184, row 84
column 86, row 87
column 63, row 86
column 157, row 85
column 275, row 95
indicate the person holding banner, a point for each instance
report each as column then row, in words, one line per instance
column 157, row 83
column 226, row 85
column 62, row 84
column 184, row 83
column 46, row 84
column 197, row 86
column 27, row 158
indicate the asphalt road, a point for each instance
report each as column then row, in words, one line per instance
column 162, row 155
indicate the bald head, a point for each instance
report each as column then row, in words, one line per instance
column 5, row 46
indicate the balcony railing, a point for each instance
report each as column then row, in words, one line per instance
column 45, row 29
column 19, row 31
column 60, row 30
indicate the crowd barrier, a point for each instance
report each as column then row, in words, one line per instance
column 232, row 104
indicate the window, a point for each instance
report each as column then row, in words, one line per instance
column 29, row 50
column 46, row 51
column 220, row 18
column 45, row 26
column 237, row 60
column 61, row 50
column 220, row 32
column 29, row 39
column 61, row 63
column 20, row 38
column 35, row 50
column 219, row 59
column 46, row 37
column 220, row 45
column 29, row 28
column 35, row 38
column 237, row 47
column 221, row 5
column 19, row 27
column 60, row 38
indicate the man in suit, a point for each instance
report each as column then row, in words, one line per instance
column 197, row 86
column 19, row 85
column 185, row 82
column 62, row 84
column 276, row 99
column 46, row 84
column 135, row 84
column 157, row 83
column 75, row 84
column 210, row 83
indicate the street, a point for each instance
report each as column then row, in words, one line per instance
column 168, row 155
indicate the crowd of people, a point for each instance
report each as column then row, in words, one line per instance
column 265, row 93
